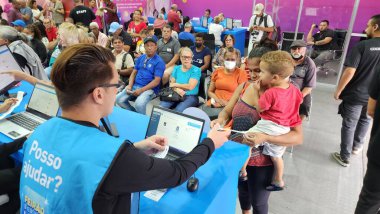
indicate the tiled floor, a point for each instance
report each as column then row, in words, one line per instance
column 315, row 182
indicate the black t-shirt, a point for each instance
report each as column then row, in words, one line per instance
column 39, row 48
column 364, row 57
column 374, row 144
column 82, row 14
column 321, row 35
column 305, row 74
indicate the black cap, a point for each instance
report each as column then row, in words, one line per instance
column 150, row 39
column 298, row 43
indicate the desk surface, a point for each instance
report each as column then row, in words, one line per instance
column 218, row 177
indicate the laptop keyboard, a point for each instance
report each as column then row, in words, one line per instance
column 25, row 122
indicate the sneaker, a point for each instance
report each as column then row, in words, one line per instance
column 342, row 162
column 356, row 151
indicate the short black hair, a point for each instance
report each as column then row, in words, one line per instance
column 376, row 21
column 327, row 22
column 200, row 35
column 209, row 11
column 169, row 25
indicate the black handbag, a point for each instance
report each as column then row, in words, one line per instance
column 168, row 94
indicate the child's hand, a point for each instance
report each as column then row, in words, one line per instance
column 254, row 138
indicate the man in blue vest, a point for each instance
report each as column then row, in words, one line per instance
column 70, row 166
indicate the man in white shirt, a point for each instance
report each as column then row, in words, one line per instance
column 260, row 25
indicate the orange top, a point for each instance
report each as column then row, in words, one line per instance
column 226, row 83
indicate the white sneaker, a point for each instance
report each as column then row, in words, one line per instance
column 356, row 151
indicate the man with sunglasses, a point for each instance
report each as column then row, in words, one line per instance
column 304, row 76
column 70, row 166
column 145, row 79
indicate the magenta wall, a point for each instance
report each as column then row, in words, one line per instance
column 337, row 12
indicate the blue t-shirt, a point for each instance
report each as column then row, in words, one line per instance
column 198, row 58
column 182, row 77
column 186, row 36
column 148, row 69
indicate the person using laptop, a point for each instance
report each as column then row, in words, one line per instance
column 97, row 168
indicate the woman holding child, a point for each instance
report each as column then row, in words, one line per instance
column 240, row 114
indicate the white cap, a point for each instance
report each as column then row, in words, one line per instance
column 258, row 9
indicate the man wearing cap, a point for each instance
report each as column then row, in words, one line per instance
column 145, row 79
column 19, row 25
column 260, row 25
column 304, row 76
column 116, row 29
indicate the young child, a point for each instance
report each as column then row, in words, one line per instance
column 140, row 50
column 278, row 106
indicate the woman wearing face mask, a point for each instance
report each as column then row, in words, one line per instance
column 224, row 81
column 185, row 81
column 34, row 37
column 218, row 60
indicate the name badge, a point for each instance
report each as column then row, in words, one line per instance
column 169, row 50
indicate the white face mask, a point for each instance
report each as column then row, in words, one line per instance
column 230, row 64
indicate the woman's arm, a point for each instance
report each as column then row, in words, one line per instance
column 189, row 86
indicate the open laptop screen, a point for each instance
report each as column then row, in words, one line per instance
column 7, row 61
column 183, row 131
column 44, row 100
column 229, row 23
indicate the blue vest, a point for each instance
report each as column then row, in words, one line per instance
column 63, row 164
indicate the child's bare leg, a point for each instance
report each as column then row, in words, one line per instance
column 278, row 171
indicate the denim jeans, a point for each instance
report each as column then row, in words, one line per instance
column 122, row 99
column 190, row 101
column 355, row 125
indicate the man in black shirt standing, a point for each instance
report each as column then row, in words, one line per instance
column 352, row 89
column 100, row 170
column 81, row 14
column 369, row 198
column 322, row 41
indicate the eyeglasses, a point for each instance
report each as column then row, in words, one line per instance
column 187, row 57
column 107, row 85
column 228, row 40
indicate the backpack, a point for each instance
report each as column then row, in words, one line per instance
column 275, row 35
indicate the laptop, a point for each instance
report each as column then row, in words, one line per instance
column 7, row 60
column 43, row 105
column 229, row 23
column 183, row 131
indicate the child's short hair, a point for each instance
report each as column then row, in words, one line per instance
column 279, row 62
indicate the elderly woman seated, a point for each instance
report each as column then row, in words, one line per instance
column 185, row 81
column 23, row 53
column 218, row 60
column 224, row 81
